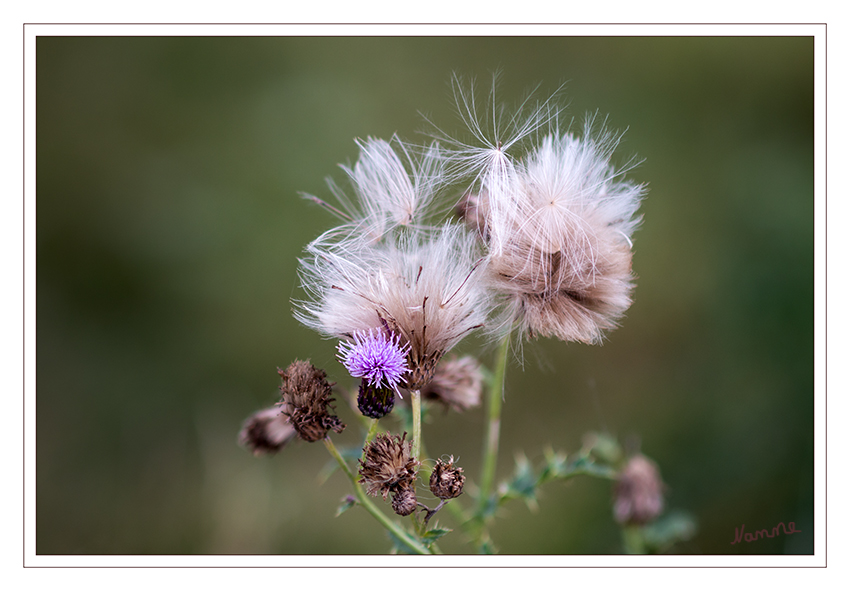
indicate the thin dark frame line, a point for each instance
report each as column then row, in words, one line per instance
column 825, row 242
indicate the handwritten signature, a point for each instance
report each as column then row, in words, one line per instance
column 763, row 533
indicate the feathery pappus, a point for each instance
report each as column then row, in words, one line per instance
column 427, row 289
column 557, row 221
column 390, row 191
column 417, row 284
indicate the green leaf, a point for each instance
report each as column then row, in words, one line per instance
column 432, row 535
column 677, row 526
column 605, row 447
column 487, row 547
column 399, row 547
column 555, row 467
column 586, row 465
column 522, row 485
column 489, row 508
column 347, row 503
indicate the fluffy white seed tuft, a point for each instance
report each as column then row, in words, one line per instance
column 393, row 187
column 425, row 287
column 557, row 222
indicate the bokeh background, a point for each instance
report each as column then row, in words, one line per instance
column 168, row 226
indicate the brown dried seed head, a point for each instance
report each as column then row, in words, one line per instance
column 571, row 295
column 639, row 492
column 387, row 465
column 404, row 500
column 305, row 400
column 473, row 209
column 266, row 432
column 457, row 384
column 422, row 369
column 447, row 480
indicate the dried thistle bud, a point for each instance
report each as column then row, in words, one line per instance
column 639, row 492
column 447, row 480
column 388, row 466
column 404, row 500
column 457, row 383
column 266, row 432
column 473, row 210
column 373, row 401
column 305, row 400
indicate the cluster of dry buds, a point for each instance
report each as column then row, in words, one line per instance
column 522, row 231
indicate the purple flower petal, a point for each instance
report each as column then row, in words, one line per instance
column 377, row 358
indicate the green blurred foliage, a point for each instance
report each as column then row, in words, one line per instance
column 168, row 228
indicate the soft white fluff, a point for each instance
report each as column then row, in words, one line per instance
column 557, row 221
column 392, row 187
column 424, row 286
column 565, row 197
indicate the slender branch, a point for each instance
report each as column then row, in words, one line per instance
column 494, row 411
column 392, row 527
column 370, row 434
column 416, row 410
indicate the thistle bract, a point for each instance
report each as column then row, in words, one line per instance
column 375, row 402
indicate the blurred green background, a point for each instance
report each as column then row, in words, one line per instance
column 168, row 226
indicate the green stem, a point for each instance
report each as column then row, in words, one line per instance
column 633, row 540
column 416, row 411
column 370, row 434
column 392, row 527
column 494, row 412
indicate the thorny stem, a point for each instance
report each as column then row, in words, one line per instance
column 491, row 443
column 392, row 527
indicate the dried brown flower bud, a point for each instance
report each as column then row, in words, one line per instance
column 388, row 467
column 473, row 210
column 457, row 383
column 639, row 492
column 447, row 480
column 404, row 500
column 266, row 432
column 305, row 400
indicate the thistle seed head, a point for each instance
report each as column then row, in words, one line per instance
column 447, row 480
column 639, row 492
column 427, row 288
column 388, row 465
column 564, row 266
column 306, row 400
column 404, row 500
column 266, row 432
column 457, row 383
column 393, row 187
column 557, row 222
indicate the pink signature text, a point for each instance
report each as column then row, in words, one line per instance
column 780, row 528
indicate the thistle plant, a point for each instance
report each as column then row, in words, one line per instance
column 541, row 246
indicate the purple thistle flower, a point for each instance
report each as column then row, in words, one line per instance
column 379, row 359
